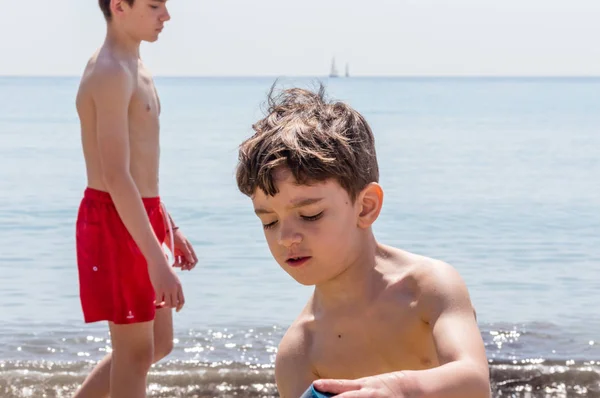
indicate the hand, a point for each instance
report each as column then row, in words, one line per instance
column 380, row 386
column 185, row 257
column 167, row 286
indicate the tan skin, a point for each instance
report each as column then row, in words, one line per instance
column 381, row 322
column 119, row 113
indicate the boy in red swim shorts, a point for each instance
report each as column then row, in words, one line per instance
column 124, row 275
column 113, row 273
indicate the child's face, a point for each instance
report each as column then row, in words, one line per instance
column 146, row 18
column 310, row 230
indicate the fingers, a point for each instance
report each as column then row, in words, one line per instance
column 189, row 260
column 178, row 262
column 194, row 257
column 180, row 299
column 354, row 394
column 185, row 257
column 181, row 262
column 184, row 263
column 336, row 386
column 188, row 253
column 166, row 300
column 160, row 301
column 172, row 301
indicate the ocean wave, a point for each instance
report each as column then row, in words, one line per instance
column 546, row 379
column 526, row 361
column 190, row 379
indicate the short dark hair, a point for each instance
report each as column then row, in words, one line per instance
column 105, row 7
column 314, row 138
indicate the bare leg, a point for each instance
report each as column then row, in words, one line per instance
column 132, row 355
column 163, row 333
column 97, row 384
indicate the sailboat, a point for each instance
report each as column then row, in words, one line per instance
column 347, row 70
column 334, row 72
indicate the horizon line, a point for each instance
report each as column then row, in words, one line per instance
column 329, row 77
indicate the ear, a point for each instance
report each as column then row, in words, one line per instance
column 369, row 201
column 118, row 7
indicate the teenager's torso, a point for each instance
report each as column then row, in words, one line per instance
column 143, row 127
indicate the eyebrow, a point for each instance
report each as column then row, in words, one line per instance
column 295, row 205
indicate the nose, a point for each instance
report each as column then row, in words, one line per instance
column 288, row 235
column 166, row 17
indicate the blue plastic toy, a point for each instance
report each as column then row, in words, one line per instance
column 313, row 393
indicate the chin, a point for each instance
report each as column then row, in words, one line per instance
column 302, row 278
column 306, row 278
column 305, row 281
column 151, row 38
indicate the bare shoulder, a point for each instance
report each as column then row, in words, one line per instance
column 442, row 288
column 111, row 75
column 293, row 368
column 106, row 77
column 444, row 304
column 295, row 342
column 439, row 285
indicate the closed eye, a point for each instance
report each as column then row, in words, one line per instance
column 269, row 225
column 313, row 218
column 305, row 218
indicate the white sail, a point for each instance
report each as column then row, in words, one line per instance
column 334, row 71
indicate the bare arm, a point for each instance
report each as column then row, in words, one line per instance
column 293, row 372
column 463, row 370
column 174, row 226
column 112, row 91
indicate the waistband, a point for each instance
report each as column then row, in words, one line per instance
column 103, row 196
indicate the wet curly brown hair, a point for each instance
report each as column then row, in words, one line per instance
column 314, row 138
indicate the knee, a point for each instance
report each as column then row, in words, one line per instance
column 162, row 348
column 137, row 359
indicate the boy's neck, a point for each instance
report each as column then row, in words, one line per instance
column 122, row 43
column 358, row 284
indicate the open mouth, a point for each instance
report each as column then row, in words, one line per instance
column 297, row 261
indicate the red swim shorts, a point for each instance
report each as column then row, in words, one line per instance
column 114, row 284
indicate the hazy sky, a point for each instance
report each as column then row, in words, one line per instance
column 279, row 37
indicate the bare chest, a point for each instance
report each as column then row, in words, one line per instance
column 372, row 343
column 144, row 112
